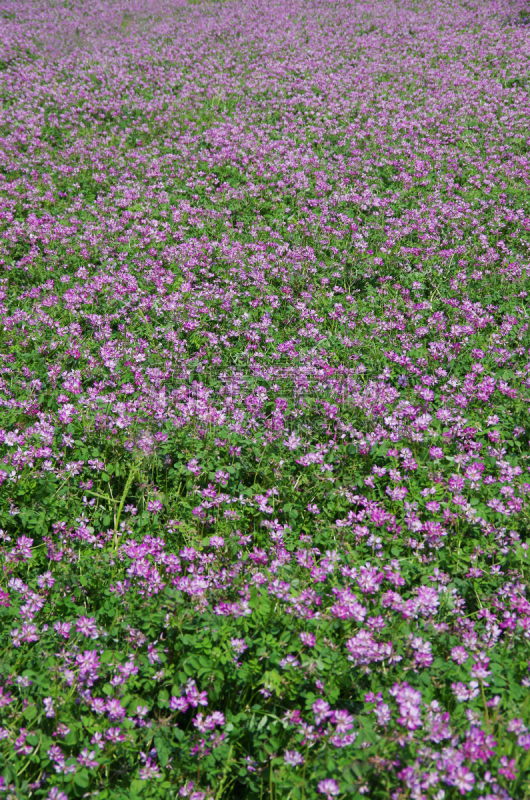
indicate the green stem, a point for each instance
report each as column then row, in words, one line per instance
column 101, row 496
column 259, row 465
column 128, row 484
column 224, row 776
column 486, row 715
column 505, row 651
column 522, row 769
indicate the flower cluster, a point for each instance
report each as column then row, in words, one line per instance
column 264, row 393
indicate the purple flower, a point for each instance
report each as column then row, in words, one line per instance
column 292, row 442
column 364, row 649
column 210, row 722
column 321, row 709
column 194, row 697
column 427, row 601
column 149, row 771
column 507, row 768
column 27, row 633
column 408, row 700
column 87, row 627
column 343, row 740
column 289, row 661
column 293, row 758
column 383, row 713
column 459, row 654
column 48, row 705
column 178, row 704
column 115, row 710
column 5, row 698
column 187, row 789
column 463, row 692
column 524, row 741
column 21, row 747
column 222, row 477
column 88, row 664
column 343, row 721
column 86, row 759
column 308, row 639
column 463, row 779
column 398, row 493
column 97, row 704
column 238, row 645
column 114, row 735
column 46, row 581
column 56, row 794
column 193, row 467
column 63, row 629
column 480, row 670
column 328, row 787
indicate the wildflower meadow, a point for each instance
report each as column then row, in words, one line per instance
column 264, row 399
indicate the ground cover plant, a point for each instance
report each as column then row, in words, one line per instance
column 264, row 392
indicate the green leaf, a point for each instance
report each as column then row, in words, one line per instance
column 162, row 750
column 30, row 712
column 71, row 738
column 81, row 778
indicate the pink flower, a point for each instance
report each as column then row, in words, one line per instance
column 293, row 441
column 115, row 710
column 149, row 771
column 21, row 747
column 524, row 741
column 56, row 794
column 193, row 467
column 194, row 697
column 459, row 654
column 178, row 704
column 114, row 735
column 48, row 705
column 238, row 645
column 328, row 787
column 87, row 627
column 6, row 698
column 463, row 779
column 321, row 710
column 293, row 758
column 308, row 639
column 507, row 768
column 427, row 601
column 343, row 721
column 63, row 629
column 86, row 759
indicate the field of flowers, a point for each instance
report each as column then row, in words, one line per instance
column 264, row 399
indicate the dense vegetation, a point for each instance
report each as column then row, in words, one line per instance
column 264, row 398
